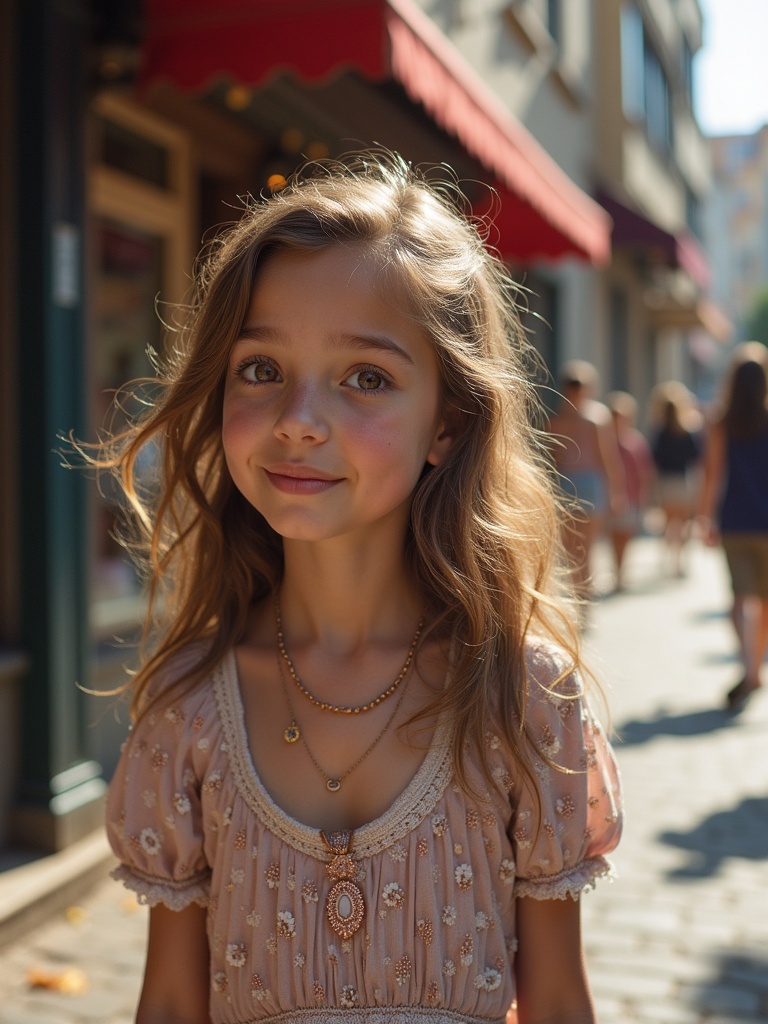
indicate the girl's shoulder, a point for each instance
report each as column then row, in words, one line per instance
column 181, row 689
column 551, row 668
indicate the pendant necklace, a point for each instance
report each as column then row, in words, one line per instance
column 293, row 734
column 344, row 904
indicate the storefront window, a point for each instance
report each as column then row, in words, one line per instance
column 128, row 278
column 142, row 221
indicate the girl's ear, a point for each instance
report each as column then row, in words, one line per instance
column 449, row 429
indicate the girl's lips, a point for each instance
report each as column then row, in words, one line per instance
column 291, row 484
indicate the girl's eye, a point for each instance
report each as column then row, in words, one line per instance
column 367, row 380
column 258, row 371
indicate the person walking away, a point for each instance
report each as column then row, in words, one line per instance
column 588, row 465
column 735, row 507
column 676, row 450
column 637, row 465
column 363, row 779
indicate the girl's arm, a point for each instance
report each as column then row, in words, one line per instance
column 176, row 977
column 550, row 974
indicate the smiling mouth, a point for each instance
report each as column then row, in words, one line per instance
column 300, row 481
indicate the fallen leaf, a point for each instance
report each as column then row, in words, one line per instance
column 71, row 981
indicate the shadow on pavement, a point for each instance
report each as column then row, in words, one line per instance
column 688, row 723
column 741, row 831
column 738, row 988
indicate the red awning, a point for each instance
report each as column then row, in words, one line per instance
column 632, row 230
column 195, row 42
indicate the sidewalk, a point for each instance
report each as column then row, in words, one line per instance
column 680, row 938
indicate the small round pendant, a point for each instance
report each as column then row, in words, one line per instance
column 292, row 733
column 333, row 785
column 345, row 908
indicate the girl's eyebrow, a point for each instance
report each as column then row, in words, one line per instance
column 381, row 342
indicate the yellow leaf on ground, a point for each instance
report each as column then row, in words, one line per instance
column 70, row 981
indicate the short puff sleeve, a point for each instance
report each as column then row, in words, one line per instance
column 561, row 846
column 154, row 809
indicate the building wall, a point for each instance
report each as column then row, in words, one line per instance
column 737, row 223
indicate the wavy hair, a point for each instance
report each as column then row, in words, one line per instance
column 484, row 522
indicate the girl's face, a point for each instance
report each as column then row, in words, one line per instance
column 332, row 401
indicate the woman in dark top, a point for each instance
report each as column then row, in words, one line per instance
column 735, row 504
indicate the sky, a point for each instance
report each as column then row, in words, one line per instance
column 731, row 69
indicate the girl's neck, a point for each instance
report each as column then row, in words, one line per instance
column 344, row 599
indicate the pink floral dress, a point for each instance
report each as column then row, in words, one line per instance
column 440, row 871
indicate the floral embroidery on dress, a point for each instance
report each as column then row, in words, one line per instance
column 299, row 960
column 257, row 988
column 159, row 758
column 253, row 918
column 393, row 895
column 507, row 871
column 150, row 841
column 182, row 803
column 348, row 998
column 439, row 824
column 272, row 874
column 219, row 982
column 403, row 969
column 449, row 968
column 566, row 806
column 482, row 921
column 463, row 876
column 286, row 924
column 449, row 916
column 398, row 853
column 309, row 891
column 425, row 930
column 422, row 847
column 489, row 980
column 236, row 954
column 149, row 796
column 466, row 951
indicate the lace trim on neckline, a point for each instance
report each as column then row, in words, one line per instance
column 416, row 801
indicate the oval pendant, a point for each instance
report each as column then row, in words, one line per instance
column 345, row 908
column 292, row 733
column 333, row 785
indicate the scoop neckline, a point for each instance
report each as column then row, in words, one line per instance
column 407, row 810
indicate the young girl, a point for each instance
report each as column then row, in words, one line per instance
column 362, row 783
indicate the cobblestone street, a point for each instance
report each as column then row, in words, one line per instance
column 681, row 937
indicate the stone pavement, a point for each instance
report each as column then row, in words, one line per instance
column 681, row 937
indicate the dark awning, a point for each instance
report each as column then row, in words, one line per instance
column 631, row 230
column 195, row 42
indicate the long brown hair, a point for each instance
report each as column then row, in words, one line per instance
column 484, row 522
column 745, row 414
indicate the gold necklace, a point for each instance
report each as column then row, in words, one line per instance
column 294, row 733
column 341, row 709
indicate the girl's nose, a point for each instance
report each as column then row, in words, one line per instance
column 302, row 415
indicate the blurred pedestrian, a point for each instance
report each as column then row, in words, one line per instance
column 676, row 450
column 637, row 464
column 588, row 463
column 735, row 507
